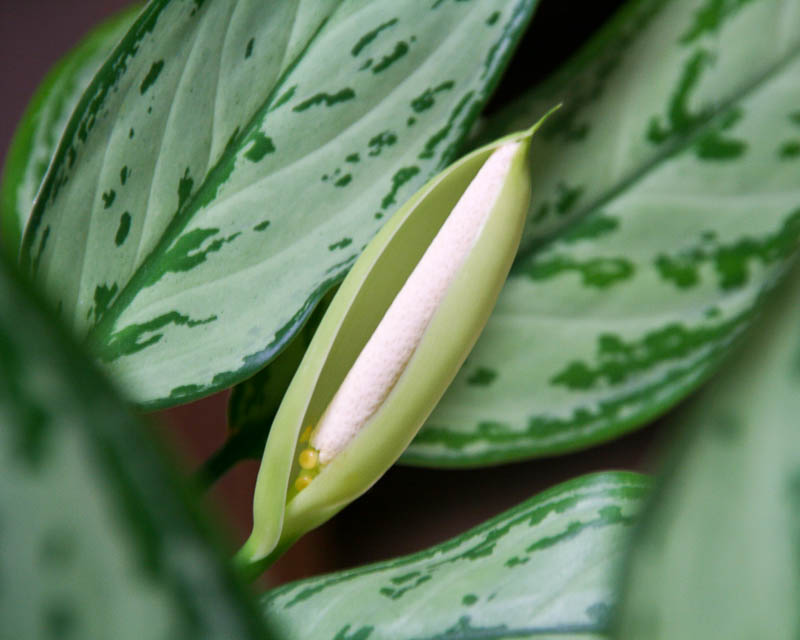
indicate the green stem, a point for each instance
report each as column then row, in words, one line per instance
column 249, row 568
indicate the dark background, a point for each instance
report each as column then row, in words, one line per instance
column 409, row 509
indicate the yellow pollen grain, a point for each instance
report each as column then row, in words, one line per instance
column 302, row 482
column 308, row 459
column 306, row 435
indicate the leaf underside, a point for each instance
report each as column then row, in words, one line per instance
column 230, row 160
column 545, row 568
column 98, row 539
column 717, row 553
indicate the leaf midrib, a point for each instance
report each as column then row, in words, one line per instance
column 162, row 135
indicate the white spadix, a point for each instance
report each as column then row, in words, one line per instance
column 386, row 354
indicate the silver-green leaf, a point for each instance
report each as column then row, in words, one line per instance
column 99, row 537
column 546, row 568
column 43, row 121
column 717, row 553
column 666, row 200
column 229, row 161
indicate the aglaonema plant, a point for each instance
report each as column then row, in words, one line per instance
column 226, row 166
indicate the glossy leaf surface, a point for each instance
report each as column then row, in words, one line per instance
column 99, row 539
column 43, row 122
column 666, row 200
column 716, row 556
column 230, row 160
column 544, row 569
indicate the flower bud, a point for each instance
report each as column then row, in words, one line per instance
column 396, row 333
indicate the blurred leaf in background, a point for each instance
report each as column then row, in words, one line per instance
column 99, row 536
column 718, row 550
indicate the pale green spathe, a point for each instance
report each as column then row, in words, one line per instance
column 351, row 318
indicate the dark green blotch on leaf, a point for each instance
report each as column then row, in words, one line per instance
column 482, row 377
column 595, row 272
column 261, row 146
column 151, row 76
column 680, row 119
column 108, row 198
column 402, row 176
column 789, row 150
column 326, row 99
column 400, row 49
column 123, row 229
column 341, row 244
column 368, row 37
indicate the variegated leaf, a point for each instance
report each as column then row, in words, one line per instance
column 666, row 200
column 546, row 568
column 97, row 537
column 230, row 159
column 717, row 553
column 43, row 121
